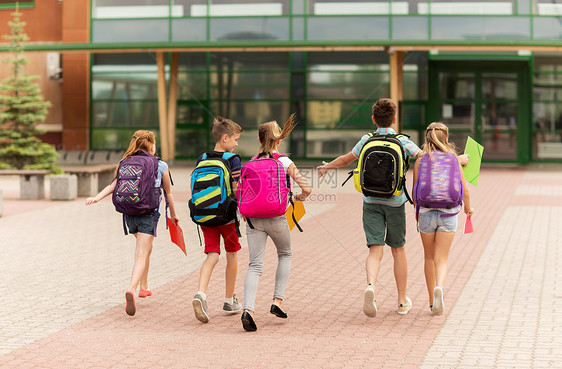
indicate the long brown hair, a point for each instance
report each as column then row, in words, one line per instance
column 437, row 138
column 270, row 133
column 141, row 140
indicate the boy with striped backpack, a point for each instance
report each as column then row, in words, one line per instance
column 213, row 207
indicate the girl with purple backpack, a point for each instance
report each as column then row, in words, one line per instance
column 143, row 226
column 439, row 194
column 262, row 198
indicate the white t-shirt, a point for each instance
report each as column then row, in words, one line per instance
column 286, row 161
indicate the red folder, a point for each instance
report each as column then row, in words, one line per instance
column 468, row 226
column 176, row 235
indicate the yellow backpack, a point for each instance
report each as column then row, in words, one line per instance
column 381, row 168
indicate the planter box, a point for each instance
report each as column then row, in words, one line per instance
column 32, row 182
column 64, row 187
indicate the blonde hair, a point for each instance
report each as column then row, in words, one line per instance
column 437, row 138
column 141, row 140
column 223, row 126
column 270, row 133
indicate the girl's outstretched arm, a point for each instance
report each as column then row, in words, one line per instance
column 466, row 196
column 167, row 185
column 103, row 193
column 301, row 181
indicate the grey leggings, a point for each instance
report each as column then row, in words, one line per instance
column 278, row 230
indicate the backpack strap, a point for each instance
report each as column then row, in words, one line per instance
column 274, row 155
column 249, row 223
column 293, row 212
column 170, row 174
column 406, row 192
column 237, row 223
column 406, row 165
column 350, row 174
column 199, row 234
column 228, row 155
column 125, row 225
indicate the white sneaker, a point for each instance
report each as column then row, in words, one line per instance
column 404, row 308
column 438, row 302
column 369, row 302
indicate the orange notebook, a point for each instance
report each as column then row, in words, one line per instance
column 176, row 235
column 299, row 213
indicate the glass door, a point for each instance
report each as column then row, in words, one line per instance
column 485, row 100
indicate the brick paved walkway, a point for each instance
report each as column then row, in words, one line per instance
column 65, row 268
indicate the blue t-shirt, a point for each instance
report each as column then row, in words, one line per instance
column 162, row 168
column 410, row 149
column 235, row 165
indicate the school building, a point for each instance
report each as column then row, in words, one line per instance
column 491, row 70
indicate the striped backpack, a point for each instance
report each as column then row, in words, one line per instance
column 212, row 202
column 135, row 192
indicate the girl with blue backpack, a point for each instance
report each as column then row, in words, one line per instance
column 440, row 192
column 136, row 190
column 263, row 194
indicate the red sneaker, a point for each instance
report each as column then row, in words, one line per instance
column 145, row 293
column 131, row 307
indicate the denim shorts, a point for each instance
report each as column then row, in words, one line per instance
column 142, row 223
column 432, row 221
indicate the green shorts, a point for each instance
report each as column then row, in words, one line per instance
column 384, row 224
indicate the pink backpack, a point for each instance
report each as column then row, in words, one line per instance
column 263, row 188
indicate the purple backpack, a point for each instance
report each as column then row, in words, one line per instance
column 135, row 192
column 439, row 182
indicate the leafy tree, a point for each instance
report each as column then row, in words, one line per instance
column 21, row 108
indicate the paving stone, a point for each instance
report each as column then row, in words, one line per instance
column 65, row 281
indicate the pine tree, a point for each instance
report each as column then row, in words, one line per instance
column 21, row 108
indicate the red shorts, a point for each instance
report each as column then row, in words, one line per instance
column 213, row 238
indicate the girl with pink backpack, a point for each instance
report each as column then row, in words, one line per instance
column 263, row 192
column 439, row 194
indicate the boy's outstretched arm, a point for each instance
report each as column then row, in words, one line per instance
column 340, row 161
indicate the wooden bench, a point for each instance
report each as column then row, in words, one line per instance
column 32, row 182
column 91, row 178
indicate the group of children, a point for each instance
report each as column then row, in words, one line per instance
column 384, row 217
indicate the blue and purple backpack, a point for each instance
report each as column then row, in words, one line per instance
column 135, row 192
column 439, row 182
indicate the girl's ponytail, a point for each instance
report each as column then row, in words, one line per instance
column 270, row 133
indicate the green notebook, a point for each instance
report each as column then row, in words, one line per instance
column 472, row 170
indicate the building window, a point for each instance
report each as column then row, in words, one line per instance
column 6, row 4
column 547, row 107
column 124, row 98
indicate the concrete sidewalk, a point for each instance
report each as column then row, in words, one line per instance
column 65, row 269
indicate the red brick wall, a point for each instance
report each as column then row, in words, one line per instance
column 43, row 20
column 76, row 76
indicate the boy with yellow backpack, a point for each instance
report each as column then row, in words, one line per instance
column 380, row 175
